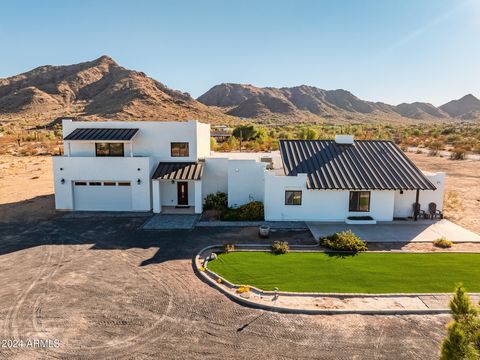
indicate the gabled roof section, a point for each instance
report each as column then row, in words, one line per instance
column 101, row 134
column 363, row 165
column 178, row 171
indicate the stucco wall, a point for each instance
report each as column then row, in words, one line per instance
column 245, row 182
column 153, row 138
column 215, row 176
column 102, row 169
column 319, row 205
column 404, row 202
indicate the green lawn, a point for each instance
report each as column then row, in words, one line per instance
column 364, row 272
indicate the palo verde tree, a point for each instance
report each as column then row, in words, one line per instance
column 463, row 338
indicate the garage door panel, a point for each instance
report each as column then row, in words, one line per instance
column 102, row 198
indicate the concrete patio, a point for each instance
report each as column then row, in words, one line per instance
column 399, row 231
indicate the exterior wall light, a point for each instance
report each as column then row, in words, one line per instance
column 401, row 191
column 173, row 181
column 62, row 181
column 139, row 181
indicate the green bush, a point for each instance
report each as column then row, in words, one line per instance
column 217, row 201
column 344, row 240
column 443, row 243
column 280, row 247
column 253, row 211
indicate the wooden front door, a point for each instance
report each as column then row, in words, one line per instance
column 182, row 193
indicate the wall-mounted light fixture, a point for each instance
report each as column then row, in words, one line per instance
column 62, row 181
column 139, row 181
column 61, row 169
column 173, row 181
column 401, row 192
column 138, row 169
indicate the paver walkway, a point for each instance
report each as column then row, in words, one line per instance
column 399, row 231
column 171, row 222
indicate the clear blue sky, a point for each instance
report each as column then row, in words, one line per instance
column 383, row 50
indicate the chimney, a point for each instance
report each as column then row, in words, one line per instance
column 344, row 139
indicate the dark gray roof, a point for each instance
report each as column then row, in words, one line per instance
column 101, row 134
column 363, row 165
column 179, row 171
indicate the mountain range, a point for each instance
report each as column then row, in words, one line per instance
column 103, row 90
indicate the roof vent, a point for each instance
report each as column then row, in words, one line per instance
column 344, row 139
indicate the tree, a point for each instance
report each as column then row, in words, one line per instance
column 463, row 338
column 245, row 132
column 213, row 144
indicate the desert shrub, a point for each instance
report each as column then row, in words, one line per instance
column 243, row 289
column 452, row 202
column 253, row 211
column 458, row 154
column 217, row 201
column 280, row 247
column 227, row 248
column 344, row 240
column 443, row 243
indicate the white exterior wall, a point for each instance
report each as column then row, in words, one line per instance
column 102, row 169
column 319, row 205
column 245, row 182
column 404, row 202
column 153, row 138
column 215, row 176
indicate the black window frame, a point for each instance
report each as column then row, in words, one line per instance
column 177, row 143
column 109, row 149
column 293, row 197
column 356, row 207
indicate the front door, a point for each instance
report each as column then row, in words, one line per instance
column 182, row 193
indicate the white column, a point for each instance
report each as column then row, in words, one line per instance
column 157, row 207
column 198, row 197
column 68, row 149
column 131, row 149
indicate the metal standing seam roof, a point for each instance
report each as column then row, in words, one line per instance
column 101, row 134
column 179, row 171
column 363, row 165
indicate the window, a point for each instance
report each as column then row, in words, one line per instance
column 109, row 149
column 179, row 149
column 80, row 183
column 124, row 183
column 359, row 201
column 95, row 183
column 107, row 183
column 293, row 197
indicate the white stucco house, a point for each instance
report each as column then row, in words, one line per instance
column 163, row 166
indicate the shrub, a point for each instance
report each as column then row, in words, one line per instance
column 217, row 201
column 227, row 248
column 280, row 247
column 253, row 211
column 243, row 289
column 443, row 243
column 458, row 154
column 344, row 240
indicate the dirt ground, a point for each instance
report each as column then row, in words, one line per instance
column 463, row 179
column 104, row 289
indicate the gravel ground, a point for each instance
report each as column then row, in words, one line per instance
column 107, row 290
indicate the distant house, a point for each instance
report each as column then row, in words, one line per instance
column 160, row 166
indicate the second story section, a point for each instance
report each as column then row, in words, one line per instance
column 164, row 141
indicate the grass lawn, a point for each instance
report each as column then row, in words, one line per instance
column 364, row 272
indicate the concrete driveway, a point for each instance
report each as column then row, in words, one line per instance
column 399, row 231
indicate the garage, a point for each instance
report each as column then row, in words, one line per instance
column 97, row 195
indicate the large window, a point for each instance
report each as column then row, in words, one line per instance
column 359, row 201
column 109, row 149
column 179, row 149
column 293, row 197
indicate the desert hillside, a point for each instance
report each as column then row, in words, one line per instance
column 311, row 103
column 98, row 89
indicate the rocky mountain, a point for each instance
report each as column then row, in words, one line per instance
column 467, row 108
column 310, row 102
column 98, row 89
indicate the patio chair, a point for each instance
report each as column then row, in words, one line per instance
column 434, row 212
column 417, row 209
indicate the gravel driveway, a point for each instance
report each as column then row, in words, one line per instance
column 106, row 289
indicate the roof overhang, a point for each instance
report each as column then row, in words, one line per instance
column 178, row 171
column 102, row 134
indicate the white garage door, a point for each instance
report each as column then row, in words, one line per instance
column 102, row 195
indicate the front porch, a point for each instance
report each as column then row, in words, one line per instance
column 399, row 231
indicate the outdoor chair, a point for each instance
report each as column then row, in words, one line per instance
column 417, row 208
column 433, row 212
